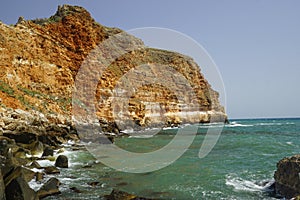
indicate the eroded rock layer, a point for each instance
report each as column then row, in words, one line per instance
column 41, row 58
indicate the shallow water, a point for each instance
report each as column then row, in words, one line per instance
column 243, row 159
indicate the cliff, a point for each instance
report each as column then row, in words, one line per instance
column 287, row 182
column 41, row 58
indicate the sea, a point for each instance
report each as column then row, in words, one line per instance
column 240, row 166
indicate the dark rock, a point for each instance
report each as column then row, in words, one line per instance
column 18, row 189
column 49, row 188
column 35, row 164
column 287, row 181
column 39, row 176
column 94, row 183
column 75, row 189
column 62, row 161
column 48, row 151
column 121, row 195
column 22, row 137
column 2, row 187
column 51, row 170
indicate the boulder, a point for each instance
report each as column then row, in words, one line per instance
column 51, row 170
column 287, row 177
column 18, row 189
column 39, row 176
column 37, row 148
column 48, row 151
column 19, row 171
column 62, row 161
column 51, row 187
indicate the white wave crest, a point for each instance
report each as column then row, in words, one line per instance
column 247, row 185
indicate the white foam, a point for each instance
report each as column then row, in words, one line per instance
column 246, row 185
column 45, row 163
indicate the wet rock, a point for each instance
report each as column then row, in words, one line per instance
column 51, row 187
column 75, row 189
column 48, row 151
column 62, row 161
column 51, row 170
column 94, row 183
column 287, row 181
column 121, row 195
column 18, row 189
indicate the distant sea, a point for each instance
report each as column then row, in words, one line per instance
column 239, row 166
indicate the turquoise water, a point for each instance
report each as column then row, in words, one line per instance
column 244, row 157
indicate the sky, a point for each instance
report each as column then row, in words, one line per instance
column 255, row 43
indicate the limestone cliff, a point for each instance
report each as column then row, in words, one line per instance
column 39, row 61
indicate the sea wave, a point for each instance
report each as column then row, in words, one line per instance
column 236, row 124
column 248, row 185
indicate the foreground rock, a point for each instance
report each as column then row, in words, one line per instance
column 62, row 161
column 19, row 189
column 2, row 187
column 287, row 177
column 121, row 195
column 49, row 188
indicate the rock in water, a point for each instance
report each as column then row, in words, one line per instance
column 62, row 161
column 287, row 177
column 18, row 189
column 121, row 195
column 49, row 188
column 51, row 170
column 48, row 151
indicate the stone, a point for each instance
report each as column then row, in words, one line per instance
column 51, row 187
column 37, row 148
column 48, row 151
column 287, row 177
column 51, row 170
column 19, row 171
column 75, row 189
column 22, row 137
column 18, row 189
column 121, row 195
column 62, row 161
column 39, row 176
column 94, row 183
column 35, row 164
column 2, row 187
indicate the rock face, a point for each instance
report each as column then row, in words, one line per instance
column 287, row 177
column 41, row 58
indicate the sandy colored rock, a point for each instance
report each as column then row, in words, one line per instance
column 41, row 58
column 287, row 181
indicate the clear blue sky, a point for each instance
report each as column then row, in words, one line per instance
column 255, row 43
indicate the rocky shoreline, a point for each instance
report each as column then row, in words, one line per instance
column 27, row 137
